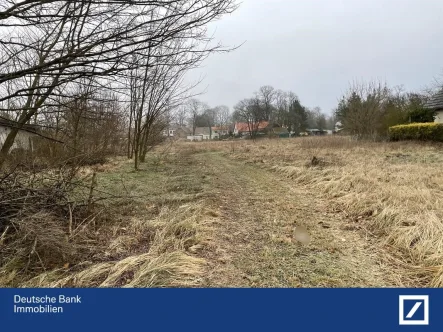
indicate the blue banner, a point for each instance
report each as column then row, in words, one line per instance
column 206, row 310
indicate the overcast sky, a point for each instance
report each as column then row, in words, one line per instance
column 316, row 47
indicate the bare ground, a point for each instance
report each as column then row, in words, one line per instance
column 253, row 236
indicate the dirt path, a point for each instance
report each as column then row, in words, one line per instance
column 254, row 235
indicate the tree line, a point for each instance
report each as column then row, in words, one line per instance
column 277, row 107
column 280, row 108
column 196, row 113
column 368, row 109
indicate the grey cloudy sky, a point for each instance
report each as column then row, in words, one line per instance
column 316, row 47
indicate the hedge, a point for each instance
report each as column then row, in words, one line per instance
column 429, row 131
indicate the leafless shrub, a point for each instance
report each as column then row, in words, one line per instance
column 162, row 260
column 39, row 212
column 37, row 241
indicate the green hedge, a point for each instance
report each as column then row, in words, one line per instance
column 430, row 131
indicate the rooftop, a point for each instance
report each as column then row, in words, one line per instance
column 243, row 126
column 202, row 131
column 436, row 101
column 11, row 124
column 226, row 128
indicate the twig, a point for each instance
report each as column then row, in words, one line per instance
column 70, row 220
column 123, row 184
column 83, row 223
column 91, row 191
column 2, row 238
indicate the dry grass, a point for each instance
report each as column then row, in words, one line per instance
column 181, row 221
column 148, row 232
column 394, row 190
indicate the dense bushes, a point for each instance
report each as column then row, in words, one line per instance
column 417, row 131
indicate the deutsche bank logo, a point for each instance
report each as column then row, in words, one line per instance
column 414, row 309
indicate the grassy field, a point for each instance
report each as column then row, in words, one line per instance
column 388, row 194
column 228, row 214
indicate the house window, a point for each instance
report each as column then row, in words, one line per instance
column 171, row 132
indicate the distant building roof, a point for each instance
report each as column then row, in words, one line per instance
column 177, row 127
column 13, row 124
column 244, row 127
column 436, row 101
column 225, row 128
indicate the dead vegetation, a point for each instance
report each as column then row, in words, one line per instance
column 103, row 226
column 151, row 253
column 182, row 216
column 392, row 191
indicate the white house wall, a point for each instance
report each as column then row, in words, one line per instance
column 195, row 138
column 22, row 140
column 439, row 117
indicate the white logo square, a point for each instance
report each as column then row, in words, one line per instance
column 421, row 304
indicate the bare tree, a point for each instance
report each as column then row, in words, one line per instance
column 282, row 107
column 313, row 114
column 195, row 109
column 155, row 89
column 267, row 95
column 180, row 115
column 223, row 116
column 47, row 45
column 250, row 112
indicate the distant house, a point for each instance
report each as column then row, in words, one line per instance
column 24, row 138
column 221, row 131
column 242, row 128
column 194, row 138
column 316, row 132
column 206, row 133
column 436, row 104
column 169, row 132
column 177, row 132
column 338, row 127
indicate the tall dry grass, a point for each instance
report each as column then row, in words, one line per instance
column 147, row 253
column 136, row 233
column 392, row 189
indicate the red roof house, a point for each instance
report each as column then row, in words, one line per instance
column 243, row 127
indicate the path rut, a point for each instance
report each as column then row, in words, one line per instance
column 254, row 244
